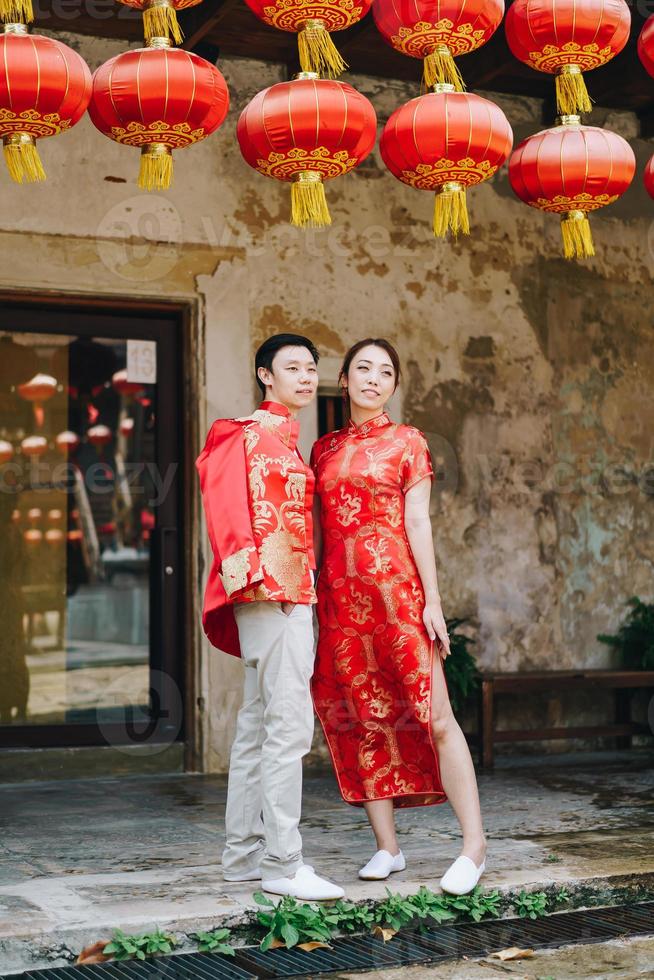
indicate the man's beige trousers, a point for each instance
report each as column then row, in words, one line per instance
column 274, row 731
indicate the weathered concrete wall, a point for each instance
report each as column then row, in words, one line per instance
column 533, row 377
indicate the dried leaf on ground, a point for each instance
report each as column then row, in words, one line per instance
column 308, row 947
column 512, row 953
column 93, row 953
column 385, row 934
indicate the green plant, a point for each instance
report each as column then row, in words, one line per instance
column 429, row 905
column 126, row 947
column 477, row 904
column 461, row 670
column 215, row 942
column 395, row 911
column 563, row 895
column 531, row 905
column 634, row 641
column 291, row 922
column 348, row 917
column 552, row 859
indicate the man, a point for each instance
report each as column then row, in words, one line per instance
column 257, row 494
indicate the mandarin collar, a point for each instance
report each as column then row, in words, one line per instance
column 275, row 408
column 371, row 425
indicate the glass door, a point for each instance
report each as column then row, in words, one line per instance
column 90, row 532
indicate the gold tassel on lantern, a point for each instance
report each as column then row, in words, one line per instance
column 160, row 20
column 577, row 236
column 308, row 202
column 571, row 92
column 156, row 171
column 16, row 11
column 317, row 51
column 440, row 68
column 451, row 210
column 22, row 158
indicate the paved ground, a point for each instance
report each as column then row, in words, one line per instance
column 617, row 960
column 80, row 857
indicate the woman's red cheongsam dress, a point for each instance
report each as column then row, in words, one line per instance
column 372, row 679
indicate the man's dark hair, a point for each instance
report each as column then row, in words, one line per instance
column 266, row 353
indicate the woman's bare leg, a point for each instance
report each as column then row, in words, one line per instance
column 457, row 770
column 382, row 820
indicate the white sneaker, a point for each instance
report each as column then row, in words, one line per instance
column 462, row 876
column 305, row 885
column 381, row 865
column 246, row 876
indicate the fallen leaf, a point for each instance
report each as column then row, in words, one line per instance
column 277, row 944
column 309, row 947
column 93, row 953
column 512, row 953
column 385, row 934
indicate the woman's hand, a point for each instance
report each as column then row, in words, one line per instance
column 434, row 622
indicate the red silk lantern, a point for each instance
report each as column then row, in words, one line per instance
column 160, row 16
column 571, row 170
column 126, row 427
column 437, row 31
column 99, row 435
column 565, row 38
column 159, row 99
column 67, row 442
column 312, row 21
column 307, row 131
column 44, row 90
column 34, row 445
column 445, row 141
column 648, row 177
column 38, row 390
column 646, row 45
column 123, row 386
column 6, row 451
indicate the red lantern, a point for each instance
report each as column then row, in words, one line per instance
column 564, row 38
column 571, row 170
column 99, row 435
column 160, row 16
column 34, row 445
column 307, row 131
column 67, row 442
column 438, row 31
column 312, row 21
column 6, row 451
column 54, row 536
column 446, row 141
column 648, row 177
column 646, row 45
column 159, row 99
column 44, row 90
column 38, row 390
column 123, row 386
column 126, row 426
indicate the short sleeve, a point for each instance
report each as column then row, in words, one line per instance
column 416, row 461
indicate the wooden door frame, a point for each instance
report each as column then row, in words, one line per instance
column 191, row 397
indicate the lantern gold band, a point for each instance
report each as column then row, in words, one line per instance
column 451, row 187
column 313, row 25
column 441, row 87
column 156, row 3
column 307, row 177
column 15, row 29
column 18, row 139
column 574, row 216
column 569, row 70
column 569, row 120
column 156, row 150
column 159, row 42
column 307, row 74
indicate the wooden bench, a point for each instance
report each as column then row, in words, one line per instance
column 622, row 682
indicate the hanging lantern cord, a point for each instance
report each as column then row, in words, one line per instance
column 160, row 20
column 317, row 51
column 156, row 172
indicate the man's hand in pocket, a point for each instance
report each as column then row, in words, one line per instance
column 288, row 607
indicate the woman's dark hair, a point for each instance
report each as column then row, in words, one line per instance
column 266, row 353
column 372, row 342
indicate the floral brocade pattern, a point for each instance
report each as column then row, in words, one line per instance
column 372, row 679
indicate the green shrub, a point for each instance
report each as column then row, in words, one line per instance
column 634, row 641
column 461, row 670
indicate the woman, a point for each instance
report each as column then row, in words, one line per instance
column 378, row 687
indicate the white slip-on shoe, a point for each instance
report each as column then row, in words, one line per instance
column 306, row 886
column 462, row 876
column 246, row 876
column 381, row 865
